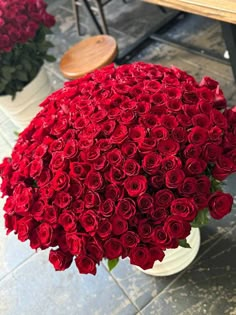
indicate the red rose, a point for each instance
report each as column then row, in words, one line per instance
column 89, row 221
column 220, row 204
column 108, row 127
column 137, row 134
column 74, row 243
column 156, row 253
column 126, row 208
column 211, row 152
column 62, row 199
column 56, row 145
column 136, row 185
column 79, row 170
column 45, row 233
column 86, row 265
column 107, row 208
column 168, row 147
column 174, row 178
column 113, row 192
column 131, row 167
column 104, row 228
column 168, row 121
column 215, row 134
column 185, row 208
column 113, row 248
column 93, row 153
column 158, row 180
column 57, row 161
column 50, row 214
column 129, row 149
column 203, row 185
column 145, row 203
column 67, row 220
column 141, row 257
column 119, row 134
column 71, row 149
column 195, row 166
column 145, row 230
column 177, row 227
column 218, row 119
column 95, row 250
column 200, row 200
column 129, row 239
column 114, row 157
column 198, row 135
column 159, row 133
column 151, row 163
column 115, row 175
column 23, row 200
column 59, row 259
column 179, row 134
column 192, row 151
column 10, row 223
column 91, row 199
column 44, row 178
column 201, row 120
column 119, row 225
column 163, row 198
column 38, row 210
column 61, row 181
column 188, row 186
column 24, row 227
column 223, row 168
column 127, row 117
column 163, row 240
column 147, row 145
column 36, row 168
column 159, row 214
column 100, row 163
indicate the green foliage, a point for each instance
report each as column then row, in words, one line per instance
column 21, row 65
column 184, row 243
column 201, row 219
column 112, row 263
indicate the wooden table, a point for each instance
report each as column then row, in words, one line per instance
column 222, row 10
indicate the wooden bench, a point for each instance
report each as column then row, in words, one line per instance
column 222, row 10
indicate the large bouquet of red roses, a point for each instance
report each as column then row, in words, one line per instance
column 120, row 163
column 23, row 46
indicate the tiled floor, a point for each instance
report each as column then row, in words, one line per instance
column 28, row 283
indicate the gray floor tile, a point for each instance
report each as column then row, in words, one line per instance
column 35, row 288
column 140, row 288
column 12, row 252
column 207, row 287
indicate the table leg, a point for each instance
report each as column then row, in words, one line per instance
column 229, row 34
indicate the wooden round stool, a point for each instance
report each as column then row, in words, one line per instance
column 90, row 54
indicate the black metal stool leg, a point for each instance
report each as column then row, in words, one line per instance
column 101, row 31
column 229, row 34
column 102, row 16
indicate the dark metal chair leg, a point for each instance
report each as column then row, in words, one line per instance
column 76, row 4
column 102, row 16
column 101, row 31
column 229, row 34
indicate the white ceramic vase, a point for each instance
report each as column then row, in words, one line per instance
column 25, row 106
column 176, row 259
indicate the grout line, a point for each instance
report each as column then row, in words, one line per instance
column 117, row 283
column 16, row 268
column 58, row 75
column 185, row 270
column 66, row 9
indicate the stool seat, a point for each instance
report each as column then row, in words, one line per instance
column 90, row 54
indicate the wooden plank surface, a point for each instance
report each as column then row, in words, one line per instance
column 223, row 10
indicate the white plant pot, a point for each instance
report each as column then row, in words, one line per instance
column 176, row 259
column 25, row 106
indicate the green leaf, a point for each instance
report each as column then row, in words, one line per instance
column 201, row 219
column 112, row 263
column 184, row 243
column 7, row 72
column 50, row 58
column 21, row 75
